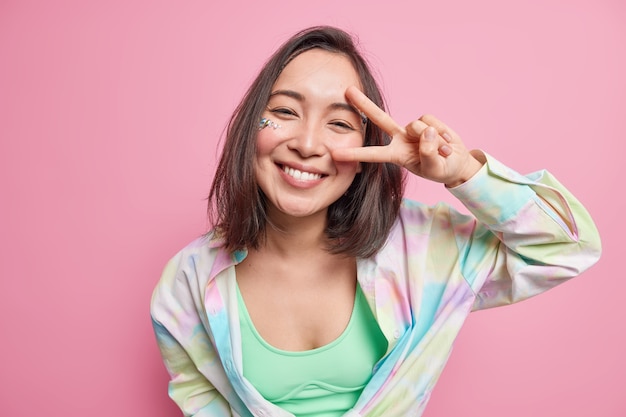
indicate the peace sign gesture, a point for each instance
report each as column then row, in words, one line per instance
column 426, row 147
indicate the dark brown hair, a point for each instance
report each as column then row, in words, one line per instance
column 358, row 222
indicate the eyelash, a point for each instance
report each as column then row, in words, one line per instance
column 343, row 125
column 283, row 110
column 288, row 112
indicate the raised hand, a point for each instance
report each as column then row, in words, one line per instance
column 426, row 147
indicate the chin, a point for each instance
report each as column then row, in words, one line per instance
column 300, row 211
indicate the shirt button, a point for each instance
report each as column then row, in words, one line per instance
column 396, row 334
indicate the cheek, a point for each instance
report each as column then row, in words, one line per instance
column 269, row 138
column 353, row 140
column 265, row 141
column 348, row 168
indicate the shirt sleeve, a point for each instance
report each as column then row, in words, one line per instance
column 528, row 235
column 185, row 346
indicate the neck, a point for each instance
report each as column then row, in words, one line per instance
column 287, row 234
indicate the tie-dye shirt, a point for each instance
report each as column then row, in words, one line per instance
column 527, row 234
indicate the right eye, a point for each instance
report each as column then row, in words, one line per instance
column 283, row 111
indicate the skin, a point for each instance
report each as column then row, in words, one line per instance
column 426, row 146
column 299, row 296
column 308, row 102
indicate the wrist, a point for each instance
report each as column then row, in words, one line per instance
column 470, row 169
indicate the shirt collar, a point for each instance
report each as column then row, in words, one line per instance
column 223, row 259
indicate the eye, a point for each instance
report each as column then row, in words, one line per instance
column 342, row 125
column 283, row 111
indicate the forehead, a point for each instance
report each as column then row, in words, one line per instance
column 318, row 71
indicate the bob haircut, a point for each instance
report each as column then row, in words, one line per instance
column 358, row 223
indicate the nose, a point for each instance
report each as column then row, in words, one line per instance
column 308, row 140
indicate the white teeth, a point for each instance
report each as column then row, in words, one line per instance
column 299, row 175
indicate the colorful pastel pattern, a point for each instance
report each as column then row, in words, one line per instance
column 527, row 234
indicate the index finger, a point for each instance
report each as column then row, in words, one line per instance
column 372, row 111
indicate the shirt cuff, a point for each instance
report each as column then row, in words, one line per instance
column 495, row 193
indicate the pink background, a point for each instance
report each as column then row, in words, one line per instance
column 110, row 115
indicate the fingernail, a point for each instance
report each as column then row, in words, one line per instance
column 446, row 150
column 446, row 136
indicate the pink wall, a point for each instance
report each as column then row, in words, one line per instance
column 110, row 114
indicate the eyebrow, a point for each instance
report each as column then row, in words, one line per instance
column 299, row 97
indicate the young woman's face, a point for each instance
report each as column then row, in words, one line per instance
column 293, row 164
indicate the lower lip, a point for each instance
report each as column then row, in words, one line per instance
column 298, row 183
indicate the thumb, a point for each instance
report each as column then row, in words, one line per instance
column 429, row 145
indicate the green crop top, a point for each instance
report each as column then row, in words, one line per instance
column 323, row 382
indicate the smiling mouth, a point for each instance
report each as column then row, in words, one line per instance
column 301, row 175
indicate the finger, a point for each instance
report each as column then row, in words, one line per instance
column 372, row 111
column 362, row 154
column 443, row 129
column 430, row 144
column 416, row 128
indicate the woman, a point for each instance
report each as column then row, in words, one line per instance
column 320, row 291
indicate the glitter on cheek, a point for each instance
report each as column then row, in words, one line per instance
column 264, row 122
